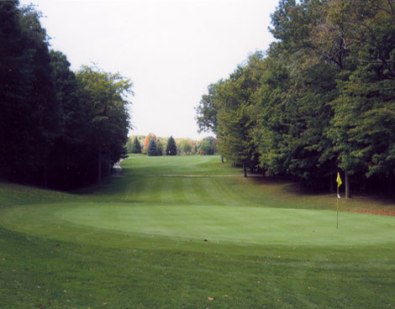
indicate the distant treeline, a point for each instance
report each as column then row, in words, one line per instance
column 158, row 146
column 321, row 100
column 57, row 128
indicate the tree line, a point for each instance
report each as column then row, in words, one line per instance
column 319, row 101
column 153, row 146
column 58, row 128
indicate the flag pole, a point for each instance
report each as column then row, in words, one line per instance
column 339, row 183
column 337, row 209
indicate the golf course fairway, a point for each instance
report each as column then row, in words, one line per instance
column 190, row 232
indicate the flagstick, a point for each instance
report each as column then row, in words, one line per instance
column 339, row 183
column 337, row 209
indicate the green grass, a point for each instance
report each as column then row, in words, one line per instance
column 189, row 232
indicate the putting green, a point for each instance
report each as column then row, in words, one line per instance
column 242, row 225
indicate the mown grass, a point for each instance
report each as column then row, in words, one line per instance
column 188, row 232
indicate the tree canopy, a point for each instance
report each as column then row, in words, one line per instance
column 321, row 100
column 135, row 146
column 171, row 147
column 57, row 128
column 152, row 148
column 208, row 146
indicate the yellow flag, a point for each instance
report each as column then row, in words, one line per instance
column 338, row 180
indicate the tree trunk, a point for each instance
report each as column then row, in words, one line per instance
column 346, row 185
column 222, row 159
column 245, row 169
column 99, row 166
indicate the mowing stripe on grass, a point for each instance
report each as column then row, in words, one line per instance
column 138, row 242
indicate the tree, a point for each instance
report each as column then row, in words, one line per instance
column 320, row 100
column 206, row 112
column 14, row 79
column 362, row 123
column 147, row 140
column 159, row 147
column 234, row 101
column 69, row 162
column 186, row 146
column 208, row 146
column 171, row 147
column 107, row 97
column 136, row 147
column 28, row 110
column 152, row 148
column 56, row 129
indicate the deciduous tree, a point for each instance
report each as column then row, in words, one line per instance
column 107, row 95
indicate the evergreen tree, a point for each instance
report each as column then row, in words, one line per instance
column 152, row 148
column 147, row 140
column 136, row 146
column 171, row 147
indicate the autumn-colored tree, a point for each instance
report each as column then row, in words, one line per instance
column 147, row 140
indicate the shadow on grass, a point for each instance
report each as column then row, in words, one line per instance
column 288, row 188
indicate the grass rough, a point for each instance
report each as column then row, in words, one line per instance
column 189, row 232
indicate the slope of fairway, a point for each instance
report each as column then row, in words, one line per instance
column 192, row 199
column 190, row 232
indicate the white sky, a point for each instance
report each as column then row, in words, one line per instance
column 170, row 49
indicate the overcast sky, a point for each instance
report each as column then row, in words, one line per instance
column 170, row 49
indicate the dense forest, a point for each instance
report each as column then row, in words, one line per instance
column 58, row 128
column 319, row 101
